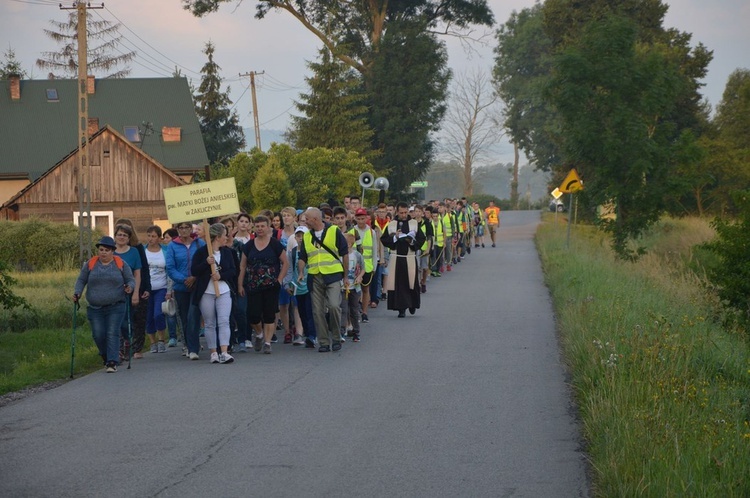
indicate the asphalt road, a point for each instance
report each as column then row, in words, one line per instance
column 465, row 398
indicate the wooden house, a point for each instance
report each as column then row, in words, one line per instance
column 144, row 137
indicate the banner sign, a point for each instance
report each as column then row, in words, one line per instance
column 199, row 201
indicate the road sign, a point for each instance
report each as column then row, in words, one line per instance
column 419, row 185
column 572, row 183
column 556, row 193
column 201, row 200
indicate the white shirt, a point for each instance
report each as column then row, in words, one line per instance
column 223, row 286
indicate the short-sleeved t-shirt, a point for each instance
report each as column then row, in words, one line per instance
column 131, row 257
column 263, row 267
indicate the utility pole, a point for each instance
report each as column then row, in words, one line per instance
column 255, row 105
column 84, row 164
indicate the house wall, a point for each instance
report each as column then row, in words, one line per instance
column 9, row 188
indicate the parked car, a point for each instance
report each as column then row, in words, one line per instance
column 557, row 205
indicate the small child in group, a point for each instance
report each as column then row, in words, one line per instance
column 352, row 290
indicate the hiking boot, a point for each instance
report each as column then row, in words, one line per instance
column 225, row 358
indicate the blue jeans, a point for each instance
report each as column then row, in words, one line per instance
column 374, row 287
column 190, row 318
column 155, row 320
column 304, row 307
column 105, row 329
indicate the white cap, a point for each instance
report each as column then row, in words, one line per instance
column 301, row 229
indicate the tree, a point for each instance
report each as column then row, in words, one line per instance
column 471, row 123
column 733, row 112
column 368, row 37
column 335, row 110
column 220, row 126
column 612, row 94
column 407, row 90
column 100, row 58
column 271, row 188
column 11, row 65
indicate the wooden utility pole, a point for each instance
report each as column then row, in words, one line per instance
column 255, row 105
column 84, row 164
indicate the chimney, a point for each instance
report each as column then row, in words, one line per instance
column 15, row 86
column 90, row 84
column 93, row 125
column 171, row 133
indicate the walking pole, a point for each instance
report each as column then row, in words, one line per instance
column 73, row 339
column 130, row 332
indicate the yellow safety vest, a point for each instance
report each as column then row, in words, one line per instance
column 438, row 226
column 424, row 232
column 318, row 259
column 366, row 246
column 447, row 226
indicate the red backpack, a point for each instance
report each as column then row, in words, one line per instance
column 118, row 261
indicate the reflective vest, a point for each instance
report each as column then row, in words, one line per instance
column 447, row 225
column 437, row 225
column 366, row 243
column 426, row 242
column 318, row 259
column 461, row 221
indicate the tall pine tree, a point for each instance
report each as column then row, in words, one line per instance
column 335, row 114
column 103, row 40
column 11, row 65
column 222, row 133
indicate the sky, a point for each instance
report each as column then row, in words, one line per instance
column 166, row 36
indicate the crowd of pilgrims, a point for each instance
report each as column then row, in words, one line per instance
column 306, row 278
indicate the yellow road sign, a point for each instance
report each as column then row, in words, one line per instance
column 556, row 193
column 572, row 183
column 201, row 200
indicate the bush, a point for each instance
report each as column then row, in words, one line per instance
column 37, row 244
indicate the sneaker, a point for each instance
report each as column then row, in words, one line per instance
column 298, row 340
column 448, row 268
column 365, row 318
column 309, row 344
column 279, row 325
column 266, row 348
column 356, row 337
column 248, row 344
column 184, row 352
column 154, row 348
column 493, row 245
column 336, row 346
column 343, row 337
column 214, row 358
column 241, row 347
column 482, row 244
column 274, row 339
column 225, row 358
column 161, row 347
column 111, row 367
column 194, row 356
column 172, row 343
column 287, row 338
column 257, row 343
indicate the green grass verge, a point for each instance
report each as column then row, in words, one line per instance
column 663, row 391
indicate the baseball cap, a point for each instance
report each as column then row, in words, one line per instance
column 361, row 211
column 301, row 229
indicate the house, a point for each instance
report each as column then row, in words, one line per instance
column 144, row 137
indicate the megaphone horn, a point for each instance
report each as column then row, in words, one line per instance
column 381, row 183
column 366, row 179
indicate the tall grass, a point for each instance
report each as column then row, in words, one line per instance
column 663, row 391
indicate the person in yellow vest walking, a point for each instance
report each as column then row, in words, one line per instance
column 325, row 253
column 493, row 220
column 367, row 245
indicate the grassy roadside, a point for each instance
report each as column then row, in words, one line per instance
column 35, row 344
column 663, row 391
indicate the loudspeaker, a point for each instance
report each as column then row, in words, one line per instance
column 366, row 179
column 381, row 183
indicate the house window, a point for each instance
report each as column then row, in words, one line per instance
column 52, row 95
column 133, row 134
column 106, row 153
column 102, row 219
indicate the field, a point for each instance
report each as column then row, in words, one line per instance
column 663, row 391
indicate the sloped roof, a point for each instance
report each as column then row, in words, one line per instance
column 35, row 134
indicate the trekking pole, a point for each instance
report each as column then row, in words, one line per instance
column 130, row 331
column 73, row 338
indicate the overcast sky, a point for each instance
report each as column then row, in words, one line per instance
column 165, row 35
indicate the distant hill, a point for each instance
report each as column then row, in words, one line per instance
column 266, row 138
